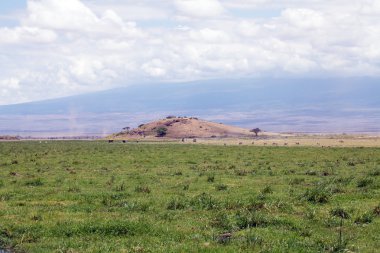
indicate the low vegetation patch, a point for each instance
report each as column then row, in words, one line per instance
column 135, row 197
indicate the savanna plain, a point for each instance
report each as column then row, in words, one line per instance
column 94, row 196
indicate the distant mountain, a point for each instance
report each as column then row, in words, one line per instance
column 306, row 105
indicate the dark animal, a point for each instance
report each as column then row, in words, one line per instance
column 110, row 141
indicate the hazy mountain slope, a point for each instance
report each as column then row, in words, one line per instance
column 332, row 105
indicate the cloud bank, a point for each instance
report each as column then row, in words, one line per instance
column 61, row 48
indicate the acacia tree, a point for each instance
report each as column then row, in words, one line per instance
column 256, row 131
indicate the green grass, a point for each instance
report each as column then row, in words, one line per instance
column 100, row 197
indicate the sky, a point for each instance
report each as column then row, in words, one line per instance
column 55, row 48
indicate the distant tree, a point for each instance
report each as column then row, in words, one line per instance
column 171, row 117
column 256, row 131
column 126, row 129
column 161, row 131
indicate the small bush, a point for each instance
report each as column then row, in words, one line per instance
column 142, row 189
column 161, row 131
column 375, row 172
column 340, row 212
column 34, row 182
column 253, row 240
column 204, row 201
column 311, row 173
column 176, row 204
column 246, row 219
column 310, row 213
column 241, row 173
column 210, row 178
column 318, row 194
column 267, row 190
column 121, row 187
column 365, row 218
column 74, row 189
column 297, row 181
column 221, row 187
column 5, row 197
column 222, row 221
column 376, row 210
column 364, row 182
column 255, row 204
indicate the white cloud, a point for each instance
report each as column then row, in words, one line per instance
column 26, row 35
column 200, row 8
column 57, row 14
column 67, row 47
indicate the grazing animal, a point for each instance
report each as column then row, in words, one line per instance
column 285, row 144
column 253, row 143
column 225, row 144
column 240, row 143
column 194, row 140
column 183, row 139
column 297, row 143
column 110, row 141
column 265, row 143
column 124, row 141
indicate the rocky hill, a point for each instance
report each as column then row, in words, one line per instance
column 183, row 127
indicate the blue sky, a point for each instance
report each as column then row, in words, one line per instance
column 7, row 9
column 10, row 5
column 55, row 48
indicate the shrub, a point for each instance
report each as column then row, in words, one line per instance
column 176, row 204
column 255, row 204
column 34, row 182
column 297, row 181
column 247, row 219
column 311, row 173
column 222, row 221
column 318, row 194
column 267, row 190
column 210, row 178
column 204, row 201
column 221, row 187
column 241, row 173
column 340, row 212
column 375, row 172
column 121, row 187
column 364, row 182
column 376, row 210
column 161, row 131
column 365, row 218
column 142, row 189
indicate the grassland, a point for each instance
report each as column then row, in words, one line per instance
column 101, row 197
